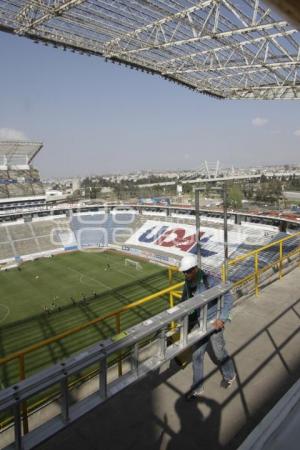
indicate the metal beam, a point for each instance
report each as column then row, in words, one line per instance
column 193, row 40
column 219, row 67
column 217, row 47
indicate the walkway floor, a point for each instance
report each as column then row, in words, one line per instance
column 264, row 340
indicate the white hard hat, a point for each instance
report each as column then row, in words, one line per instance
column 188, row 262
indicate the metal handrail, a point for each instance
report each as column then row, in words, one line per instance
column 74, row 330
column 13, row 397
column 260, row 249
column 256, row 269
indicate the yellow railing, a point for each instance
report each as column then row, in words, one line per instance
column 20, row 355
column 255, row 254
column 173, row 291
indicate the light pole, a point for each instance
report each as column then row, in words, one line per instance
column 197, row 211
column 225, row 206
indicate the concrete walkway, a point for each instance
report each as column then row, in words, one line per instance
column 264, row 340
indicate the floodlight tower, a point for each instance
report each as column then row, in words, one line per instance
column 224, row 181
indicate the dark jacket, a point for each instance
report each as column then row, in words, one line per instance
column 205, row 281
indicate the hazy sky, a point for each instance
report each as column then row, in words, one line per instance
column 97, row 117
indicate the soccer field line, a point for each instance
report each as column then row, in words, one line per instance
column 81, row 281
column 88, row 276
column 126, row 274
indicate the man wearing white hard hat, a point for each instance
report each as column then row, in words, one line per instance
column 196, row 281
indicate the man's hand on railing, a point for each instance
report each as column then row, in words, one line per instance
column 218, row 324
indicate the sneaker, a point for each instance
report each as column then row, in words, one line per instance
column 194, row 395
column 229, row 383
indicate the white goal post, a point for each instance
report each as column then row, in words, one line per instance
column 134, row 264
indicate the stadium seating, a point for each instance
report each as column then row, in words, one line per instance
column 6, row 250
column 20, row 183
column 20, row 190
column 15, row 174
column 3, row 234
column 26, row 247
column 101, row 230
column 37, row 186
column 3, row 192
column 44, row 227
column 38, row 189
column 3, row 185
column 21, row 231
column 31, row 237
column 3, row 175
column 47, row 243
column 17, row 177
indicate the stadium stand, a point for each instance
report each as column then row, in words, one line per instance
column 6, row 250
column 46, row 243
column 17, row 177
column 3, row 186
column 44, row 228
column 22, row 231
column 103, row 229
column 37, row 186
column 26, row 247
column 3, row 192
column 32, row 237
column 3, row 235
column 125, row 230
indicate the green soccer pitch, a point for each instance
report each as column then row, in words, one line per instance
column 51, row 295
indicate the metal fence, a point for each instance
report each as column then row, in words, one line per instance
column 249, row 267
column 13, row 398
column 244, row 269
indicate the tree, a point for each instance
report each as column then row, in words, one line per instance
column 269, row 191
column 235, row 196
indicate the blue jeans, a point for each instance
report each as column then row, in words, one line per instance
column 217, row 342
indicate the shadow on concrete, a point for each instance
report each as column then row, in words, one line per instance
column 154, row 415
column 195, row 424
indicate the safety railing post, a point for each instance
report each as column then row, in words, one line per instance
column 118, row 330
column 162, row 343
column 201, row 316
column 24, row 403
column 280, row 259
column 60, row 374
column 171, row 299
column 171, row 303
column 18, row 427
column 64, row 399
column 17, row 355
column 256, row 274
column 135, row 359
column 103, row 378
column 184, row 331
column 219, row 308
column 204, row 318
column 223, row 276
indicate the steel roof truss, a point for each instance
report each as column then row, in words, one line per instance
column 227, row 48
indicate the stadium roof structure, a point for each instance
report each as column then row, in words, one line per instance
column 237, row 49
column 12, row 149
